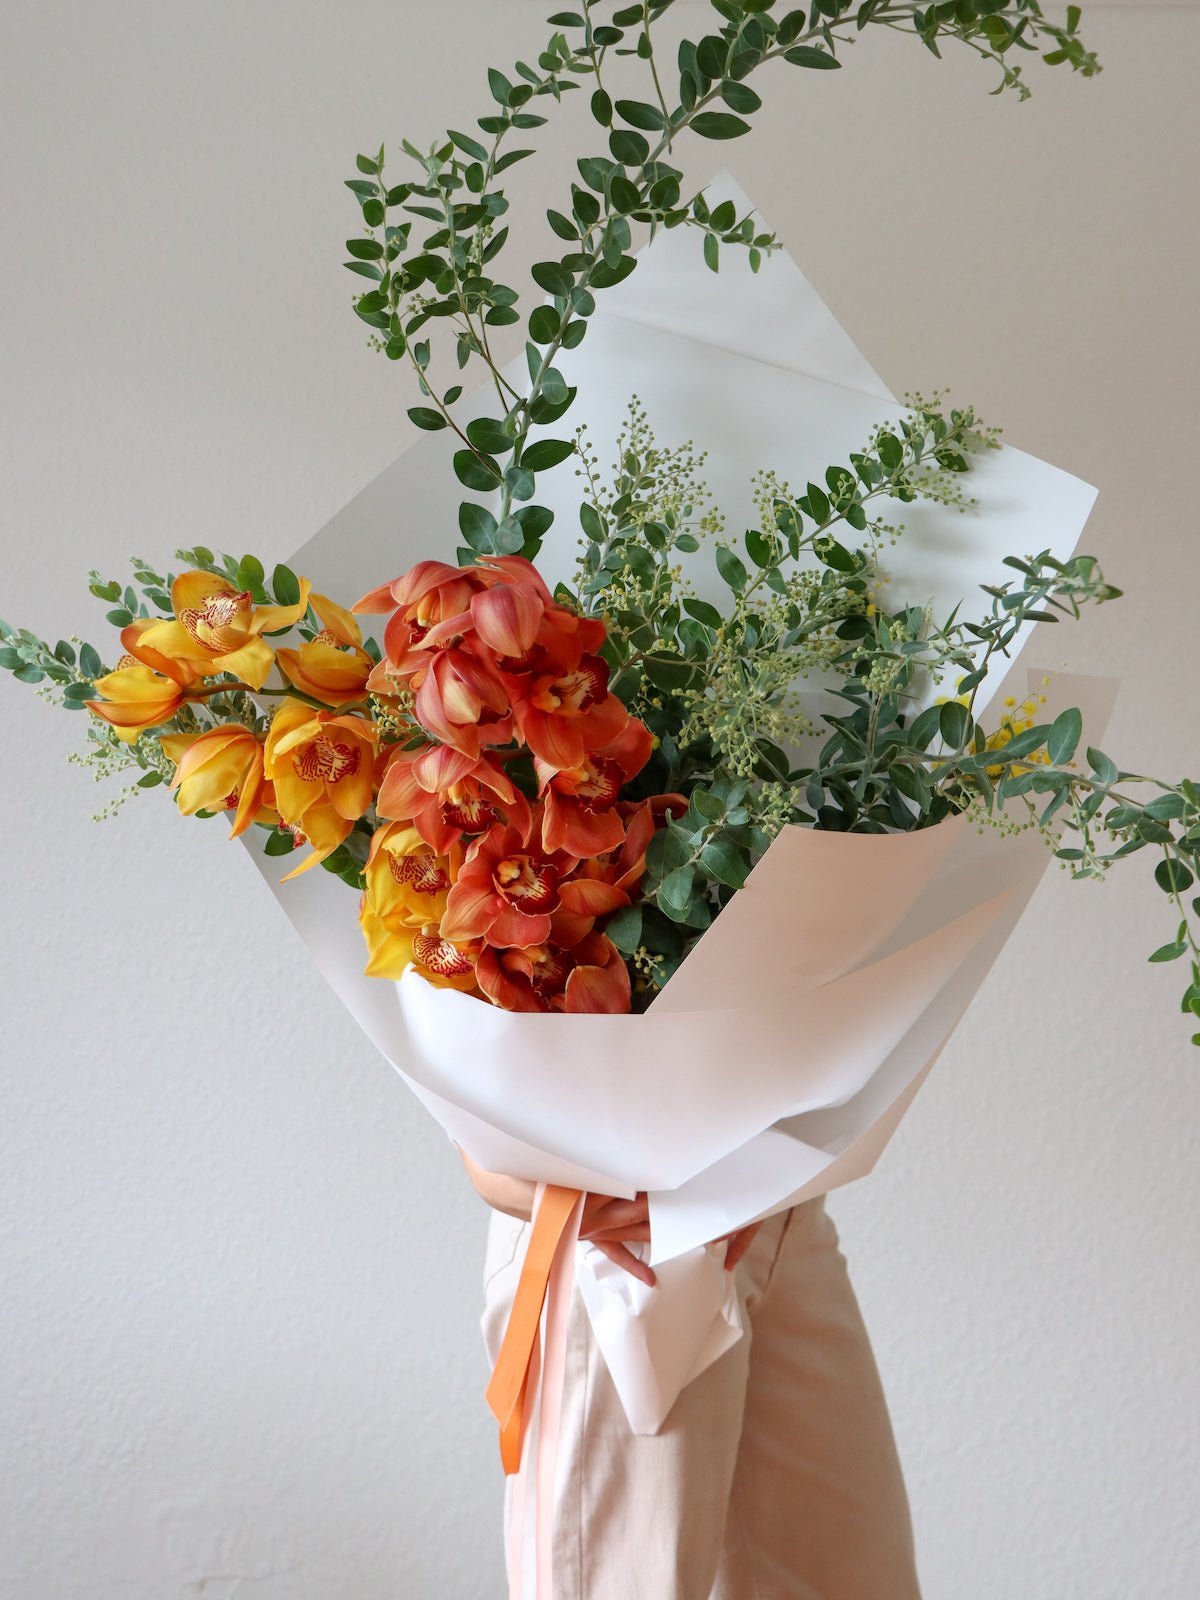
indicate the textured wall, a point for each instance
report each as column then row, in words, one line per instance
column 240, row 1269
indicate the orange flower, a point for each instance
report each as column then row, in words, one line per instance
column 566, row 711
column 445, row 794
column 604, row 882
column 476, row 643
column 219, row 770
column 321, row 767
column 462, row 701
column 590, row 978
column 218, row 628
column 333, row 667
column 579, row 814
column 505, row 891
column 136, row 698
column 425, row 595
column 405, row 878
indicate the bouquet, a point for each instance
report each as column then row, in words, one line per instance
column 734, row 851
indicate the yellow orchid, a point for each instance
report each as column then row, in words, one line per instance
column 219, row 770
column 405, row 877
column 217, row 628
column 403, row 905
column 393, row 947
column 322, row 769
column 136, row 698
column 333, row 667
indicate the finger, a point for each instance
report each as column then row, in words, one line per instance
column 621, row 1257
column 738, row 1244
column 616, row 1214
column 639, row 1231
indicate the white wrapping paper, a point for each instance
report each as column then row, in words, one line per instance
column 780, row 1059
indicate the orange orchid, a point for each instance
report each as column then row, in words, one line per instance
column 476, row 644
column 405, row 878
column 565, row 711
column 136, row 698
column 220, row 770
column 445, row 794
column 321, row 767
column 422, row 597
column 461, row 700
column 592, row 977
column 579, row 813
column 218, row 628
column 333, row 667
column 605, row 881
column 505, row 891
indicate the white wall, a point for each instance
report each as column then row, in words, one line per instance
column 240, row 1269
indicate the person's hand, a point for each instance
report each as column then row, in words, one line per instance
column 613, row 1225
column 608, row 1223
column 736, row 1244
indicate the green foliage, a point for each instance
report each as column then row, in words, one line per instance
column 716, row 684
column 430, row 243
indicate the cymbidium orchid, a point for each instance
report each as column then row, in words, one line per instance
column 404, row 877
column 333, row 667
column 402, row 907
column 321, row 766
column 136, row 698
column 566, row 710
column 446, row 794
column 419, row 599
column 579, row 812
column 481, row 645
column 218, row 628
column 462, row 701
column 394, row 947
column 220, row 770
column 591, row 977
column 506, row 889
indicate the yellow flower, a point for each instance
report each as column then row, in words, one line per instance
column 401, row 911
column 405, row 877
column 393, row 947
column 1009, row 727
column 333, row 667
column 322, row 769
column 219, row 770
column 217, row 628
column 136, row 698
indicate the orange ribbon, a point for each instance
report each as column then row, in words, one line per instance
column 507, row 1390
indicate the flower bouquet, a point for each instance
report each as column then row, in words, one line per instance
column 677, row 855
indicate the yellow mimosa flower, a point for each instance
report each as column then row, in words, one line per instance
column 219, row 770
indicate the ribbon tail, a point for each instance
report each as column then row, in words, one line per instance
column 509, row 1393
column 558, row 1317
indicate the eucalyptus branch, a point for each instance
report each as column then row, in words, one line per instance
column 630, row 184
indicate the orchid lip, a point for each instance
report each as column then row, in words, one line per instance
column 471, row 814
column 531, row 886
column 423, row 873
column 440, row 956
column 325, row 760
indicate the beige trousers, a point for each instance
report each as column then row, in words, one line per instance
column 775, row 1477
